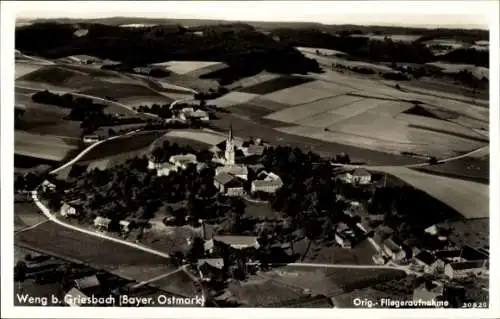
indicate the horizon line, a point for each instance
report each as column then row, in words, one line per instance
column 394, row 25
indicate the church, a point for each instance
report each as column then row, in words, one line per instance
column 228, row 148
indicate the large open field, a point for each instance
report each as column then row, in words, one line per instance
column 363, row 113
column 47, row 147
column 100, row 253
column 469, row 198
column 192, row 68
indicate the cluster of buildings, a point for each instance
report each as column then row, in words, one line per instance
column 359, row 176
column 230, row 177
column 174, row 164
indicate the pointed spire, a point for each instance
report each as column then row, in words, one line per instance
column 230, row 136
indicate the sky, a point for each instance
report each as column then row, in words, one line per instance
column 461, row 14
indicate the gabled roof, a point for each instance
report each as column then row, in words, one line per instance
column 87, row 282
column 233, row 169
column 214, row 262
column 465, row 265
column 361, row 172
column 426, row 257
column 256, row 149
column 224, row 178
column 102, row 220
column 264, row 183
column 389, row 243
column 449, row 253
column 237, row 240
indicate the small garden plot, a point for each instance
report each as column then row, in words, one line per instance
column 350, row 279
column 277, row 84
column 178, row 283
column 307, row 93
column 168, row 238
column 260, row 211
column 232, row 98
column 262, row 293
column 21, row 69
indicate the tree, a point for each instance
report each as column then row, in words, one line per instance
column 197, row 250
column 20, row 270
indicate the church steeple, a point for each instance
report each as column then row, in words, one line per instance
column 229, row 156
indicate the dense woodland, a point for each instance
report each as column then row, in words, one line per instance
column 238, row 45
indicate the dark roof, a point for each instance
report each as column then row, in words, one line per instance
column 448, row 253
column 224, row 178
column 470, row 253
column 426, row 257
column 473, row 264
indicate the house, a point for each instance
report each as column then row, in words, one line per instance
column 266, row 182
column 393, row 250
column 67, row 210
column 74, row 298
column 183, row 160
column 125, row 226
column 432, row 230
column 88, row 282
column 428, row 291
column 345, row 177
column 90, row 138
column 228, row 184
column 254, row 150
column 344, row 236
column 164, row 169
column 208, row 267
column 190, row 113
column 361, row 176
column 102, row 223
column 48, row 186
column 465, row 268
column 235, row 242
column 429, row 262
column 240, row 171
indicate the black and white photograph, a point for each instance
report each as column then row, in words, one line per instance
column 251, row 155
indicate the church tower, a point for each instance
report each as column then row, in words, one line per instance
column 229, row 155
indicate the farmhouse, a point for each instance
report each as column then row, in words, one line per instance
column 465, row 268
column 344, row 236
column 430, row 263
column 102, row 223
column 240, row 171
column 125, row 226
column 67, row 210
column 183, row 161
column 235, row 242
column 361, row 176
column 163, row 169
column 191, row 113
column 266, row 182
column 209, row 267
column 228, row 184
column 48, row 186
column 91, row 138
column 254, row 150
column 393, row 250
column 74, row 298
column 428, row 291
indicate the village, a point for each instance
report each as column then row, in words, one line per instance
column 240, row 175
